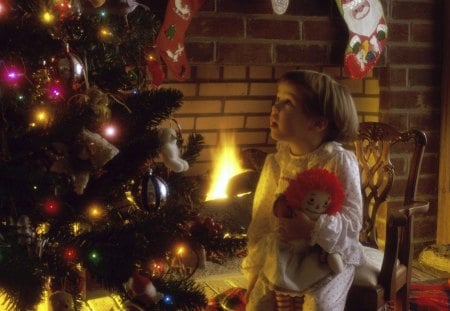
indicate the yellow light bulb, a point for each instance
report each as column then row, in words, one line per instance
column 47, row 17
column 41, row 116
column 105, row 32
column 95, row 211
column 180, row 250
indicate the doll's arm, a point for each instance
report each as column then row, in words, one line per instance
column 335, row 262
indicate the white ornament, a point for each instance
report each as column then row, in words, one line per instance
column 280, row 6
column 169, row 151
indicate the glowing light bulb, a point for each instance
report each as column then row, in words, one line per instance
column 41, row 116
column 168, row 300
column 105, row 32
column 13, row 75
column 51, row 206
column 47, row 17
column 180, row 250
column 95, row 211
column 55, row 92
column 94, row 257
column 110, row 131
column 70, row 254
column 3, row 9
column 103, row 13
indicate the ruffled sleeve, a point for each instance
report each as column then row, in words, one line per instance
column 340, row 233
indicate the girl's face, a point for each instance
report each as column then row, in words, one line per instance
column 288, row 121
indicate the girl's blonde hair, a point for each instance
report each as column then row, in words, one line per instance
column 328, row 99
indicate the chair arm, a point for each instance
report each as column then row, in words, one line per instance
column 414, row 208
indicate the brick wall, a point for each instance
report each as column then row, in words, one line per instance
column 239, row 48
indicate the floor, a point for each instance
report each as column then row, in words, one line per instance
column 217, row 283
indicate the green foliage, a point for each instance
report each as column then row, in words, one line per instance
column 45, row 161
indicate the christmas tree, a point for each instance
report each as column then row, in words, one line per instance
column 81, row 195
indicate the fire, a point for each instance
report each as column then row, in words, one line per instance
column 225, row 166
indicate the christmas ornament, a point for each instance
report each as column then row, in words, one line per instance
column 170, row 39
column 154, row 66
column 61, row 301
column 90, row 146
column 368, row 34
column 169, row 151
column 124, row 7
column 24, row 230
column 280, row 6
column 96, row 101
column 141, row 291
column 71, row 69
column 154, row 191
column 97, row 3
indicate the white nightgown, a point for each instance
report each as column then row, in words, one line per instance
column 334, row 233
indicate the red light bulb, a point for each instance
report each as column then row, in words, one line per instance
column 51, row 207
column 70, row 254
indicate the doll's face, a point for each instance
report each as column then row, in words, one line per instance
column 315, row 203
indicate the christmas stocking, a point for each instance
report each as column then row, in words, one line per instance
column 170, row 39
column 368, row 33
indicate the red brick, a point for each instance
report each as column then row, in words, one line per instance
column 310, row 8
column 424, row 32
column 424, row 120
column 424, row 77
column 398, row 32
column 398, row 120
column 273, row 29
column 430, row 163
column 409, row 100
column 323, row 30
column 392, row 76
column 244, row 53
column 200, row 51
column 301, row 54
column 416, row 10
column 413, row 55
column 216, row 27
column 245, row 7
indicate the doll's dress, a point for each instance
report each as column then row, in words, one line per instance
column 290, row 267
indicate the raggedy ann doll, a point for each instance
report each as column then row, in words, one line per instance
column 293, row 267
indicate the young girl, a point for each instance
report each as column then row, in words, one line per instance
column 312, row 114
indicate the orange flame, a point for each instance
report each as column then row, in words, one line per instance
column 225, row 166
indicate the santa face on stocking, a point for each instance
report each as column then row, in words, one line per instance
column 368, row 32
column 362, row 16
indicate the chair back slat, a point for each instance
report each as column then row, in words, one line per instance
column 373, row 148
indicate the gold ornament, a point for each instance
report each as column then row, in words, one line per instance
column 97, row 3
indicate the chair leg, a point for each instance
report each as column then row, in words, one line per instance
column 402, row 300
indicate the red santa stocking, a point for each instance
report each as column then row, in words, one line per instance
column 368, row 33
column 170, row 39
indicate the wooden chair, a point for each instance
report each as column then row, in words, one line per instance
column 385, row 279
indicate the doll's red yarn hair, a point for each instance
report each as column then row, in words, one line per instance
column 315, row 179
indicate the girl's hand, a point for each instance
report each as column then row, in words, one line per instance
column 299, row 227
